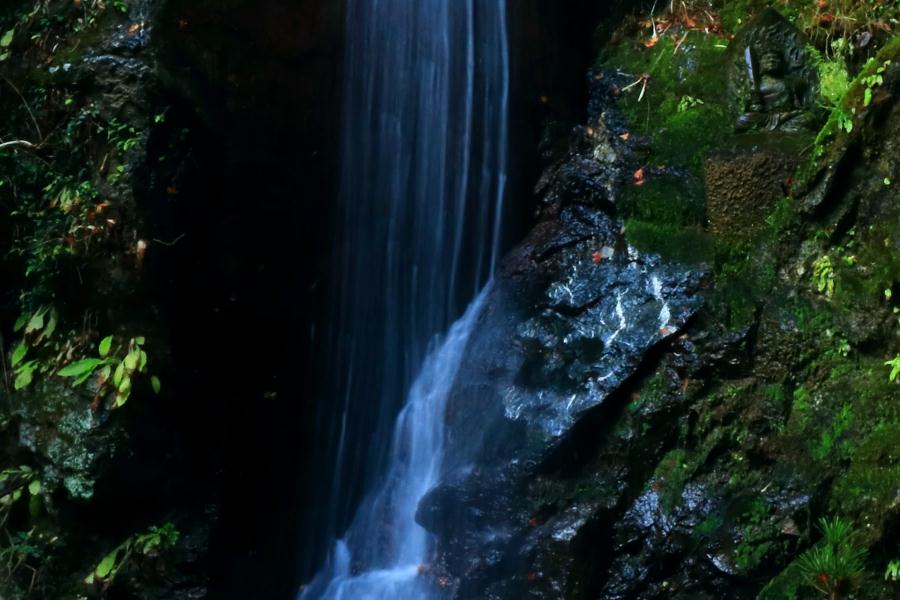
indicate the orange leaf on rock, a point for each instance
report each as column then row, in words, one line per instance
column 639, row 177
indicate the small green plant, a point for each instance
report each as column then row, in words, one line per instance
column 892, row 572
column 829, row 438
column 688, row 102
column 834, row 78
column 37, row 327
column 894, row 364
column 149, row 544
column 14, row 483
column 823, row 276
column 835, row 565
column 115, row 371
column 873, row 80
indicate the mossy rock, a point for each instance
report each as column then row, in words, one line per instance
column 57, row 424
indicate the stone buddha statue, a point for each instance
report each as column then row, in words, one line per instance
column 773, row 78
column 774, row 101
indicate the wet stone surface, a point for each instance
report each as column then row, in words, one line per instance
column 575, row 314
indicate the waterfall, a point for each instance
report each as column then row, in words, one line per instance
column 385, row 539
column 423, row 176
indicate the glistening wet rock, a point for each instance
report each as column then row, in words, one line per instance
column 575, row 313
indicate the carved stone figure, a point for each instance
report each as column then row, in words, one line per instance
column 773, row 82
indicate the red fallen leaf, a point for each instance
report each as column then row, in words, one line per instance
column 172, row 190
column 532, row 576
column 597, row 258
column 823, row 4
column 532, row 522
column 635, row 395
column 134, row 29
column 651, row 42
column 664, row 331
column 624, row 137
column 826, row 19
column 823, row 577
column 443, row 581
column 616, row 91
column 639, row 177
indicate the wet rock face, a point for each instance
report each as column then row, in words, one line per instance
column 575, row 313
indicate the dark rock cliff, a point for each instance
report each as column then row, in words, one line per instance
column 662, row 405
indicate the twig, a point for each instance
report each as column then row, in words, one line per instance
column 34, row 122
column 680, row 42
column 5, row 371
column 14, row 143
column 172, row 243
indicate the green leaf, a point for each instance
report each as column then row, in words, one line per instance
column 142, row 362
column 34, row 488
column 867, row 97
column 78, row 368
column 140, row 340
column 34, row 506
column 121, row 399
column 156, row 384
column 25, row 375
column 7, row 38
column 119, row 374
column 19, row 353
column 51, row 324
column 125, row 386
column 82, row 378
column 107, row 565
column 131, row 360
column 105, row 346
column 36, row 322
column 20, row 323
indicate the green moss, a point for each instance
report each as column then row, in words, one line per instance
column 867, row 280
column 694, row 70
column 664, row 200
column 785, row 585
column 672, row 473
column 782, row 216
column 744, row 276
column 689, row 245
column 665, row 217
column 870, row 486
column 737, row 13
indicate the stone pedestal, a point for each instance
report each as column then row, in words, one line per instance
column 743, row 186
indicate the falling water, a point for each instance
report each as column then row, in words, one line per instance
column 424, row 162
